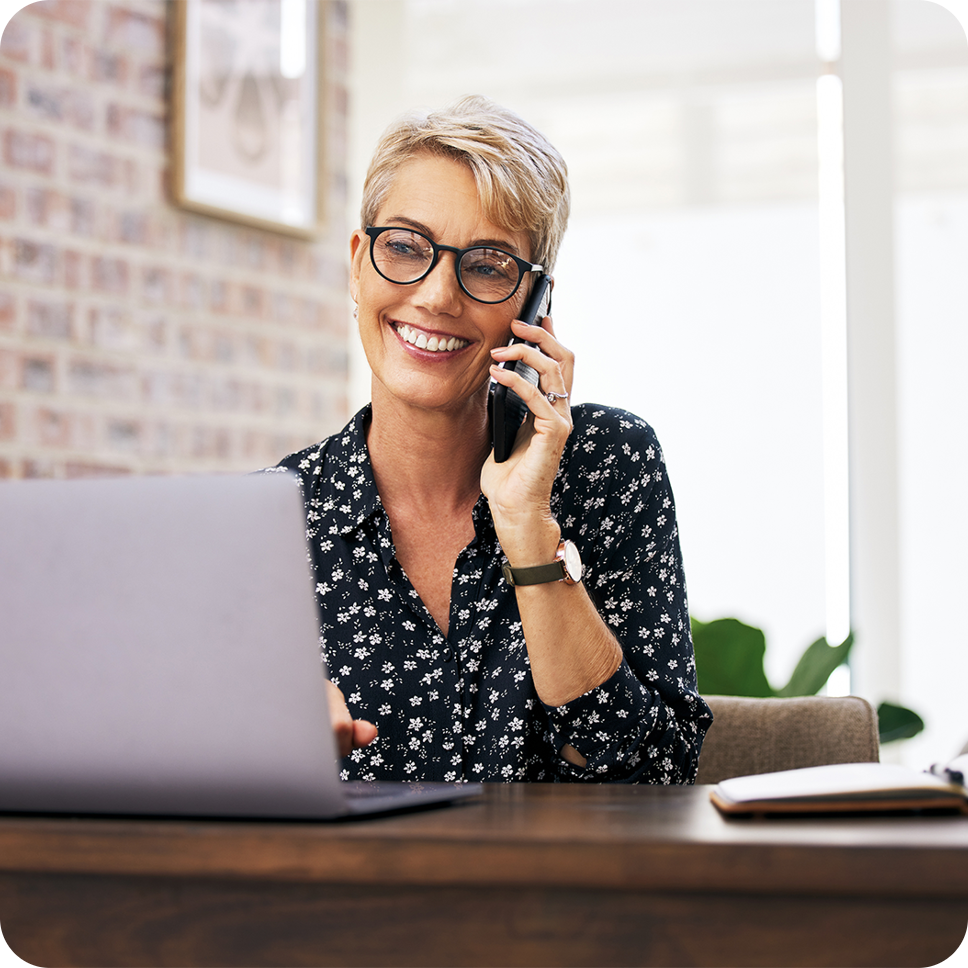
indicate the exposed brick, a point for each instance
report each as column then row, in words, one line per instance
column 132, row 227
column 91, row 378
column 51, row 103
column 93, row 385
column 130, row 30
column 48, row 55
column 72, row 56
column 123, row 434
column 15, row 43
column 153, row 81
column 34, row 261
column 78, row 469
column 223, row 347
column 8, row 202
column 8, row 311
column 46, row 207
column 109, row 275
column 75, row 266
column 110, row 328
column 6, row 466
column 34, row 152
column 92, row 167
column 83, row 216
column 38, row 374
column 45, row 102
column 156, row 285
column 9, row 369
column 156, row 335
column 53, row 428
column 252, row 300
column 76, row 13
column 191, row 292
column 35, row 468
column 8, row 425
column 50, row 320
column 136, row 127
column 194, row 238
column 107, row 67
column 218, row 296
column 8, row 88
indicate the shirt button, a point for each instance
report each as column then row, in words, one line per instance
column 447, row 655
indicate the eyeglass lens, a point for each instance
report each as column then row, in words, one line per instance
column 403, row 256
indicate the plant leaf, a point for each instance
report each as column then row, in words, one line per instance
column 897, row 722
column 729, row 658
column 815, row 665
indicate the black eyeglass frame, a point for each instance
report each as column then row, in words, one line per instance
column 374, row 231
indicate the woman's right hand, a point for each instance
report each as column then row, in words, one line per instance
column 350, row 733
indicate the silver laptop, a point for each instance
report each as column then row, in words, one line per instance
column 159, row 654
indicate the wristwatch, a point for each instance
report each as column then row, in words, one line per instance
column 566, row 567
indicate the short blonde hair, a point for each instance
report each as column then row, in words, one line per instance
column 521, row 178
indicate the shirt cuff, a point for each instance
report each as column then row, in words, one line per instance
column 606, row 725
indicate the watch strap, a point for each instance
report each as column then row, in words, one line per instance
column 535, row 574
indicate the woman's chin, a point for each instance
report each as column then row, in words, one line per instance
column 433, row 396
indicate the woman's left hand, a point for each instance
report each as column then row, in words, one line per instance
column 519, row 489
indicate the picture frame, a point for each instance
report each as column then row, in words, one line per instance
column 246, row 112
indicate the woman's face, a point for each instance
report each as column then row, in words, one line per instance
column 436, row 196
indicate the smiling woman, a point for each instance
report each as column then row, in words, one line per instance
column 458, row 622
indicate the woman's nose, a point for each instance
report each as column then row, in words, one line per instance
column 439, row 291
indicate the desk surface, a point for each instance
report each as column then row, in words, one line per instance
column 611, row 836
column 575, row 877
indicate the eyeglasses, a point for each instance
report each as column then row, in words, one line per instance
column 405, row 256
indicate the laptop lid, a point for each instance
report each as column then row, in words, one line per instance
column 159, row 651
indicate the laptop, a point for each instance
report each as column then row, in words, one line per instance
column 159, row 655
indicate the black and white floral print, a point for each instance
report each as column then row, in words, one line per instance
column 463, row 706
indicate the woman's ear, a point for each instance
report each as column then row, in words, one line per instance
column 357, row 254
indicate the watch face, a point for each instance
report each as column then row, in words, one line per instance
column 572, row 561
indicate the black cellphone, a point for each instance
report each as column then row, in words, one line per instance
column 508, row 410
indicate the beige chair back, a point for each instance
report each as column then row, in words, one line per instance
column 764, row 735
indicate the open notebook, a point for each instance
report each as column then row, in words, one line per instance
column 847, row 787
column 159, row 654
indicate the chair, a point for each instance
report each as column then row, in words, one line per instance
column 765, row 735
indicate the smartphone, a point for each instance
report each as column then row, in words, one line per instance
column 508, row 410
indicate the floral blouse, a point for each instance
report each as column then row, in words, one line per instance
column 463, row 706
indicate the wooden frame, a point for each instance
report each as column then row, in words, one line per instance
column 246, row 112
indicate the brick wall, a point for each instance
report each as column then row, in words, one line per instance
column 135, row 336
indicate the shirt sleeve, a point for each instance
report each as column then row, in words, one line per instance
column 646, row 723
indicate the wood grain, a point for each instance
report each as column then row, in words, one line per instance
column 528, row 875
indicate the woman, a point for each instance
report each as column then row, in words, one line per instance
column 449, row 671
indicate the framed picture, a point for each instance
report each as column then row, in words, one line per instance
column 246, row 111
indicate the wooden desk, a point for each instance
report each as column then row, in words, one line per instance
column 529, row 875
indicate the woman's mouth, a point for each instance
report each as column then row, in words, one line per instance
column 423, row 341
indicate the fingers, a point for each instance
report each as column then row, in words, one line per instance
column 539, row 401
column 363, row 733
column 543, row 337
column 553, row 386
column 350, row 733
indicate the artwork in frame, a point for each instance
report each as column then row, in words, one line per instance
column 246, row 111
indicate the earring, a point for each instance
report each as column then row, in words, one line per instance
column 356, row 312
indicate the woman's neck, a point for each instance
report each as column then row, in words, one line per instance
column 428, row 458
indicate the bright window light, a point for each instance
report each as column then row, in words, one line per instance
column 833, row 321
column 292, row 38
column 828, row 30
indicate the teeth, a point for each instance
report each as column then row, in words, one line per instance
column 435, row 344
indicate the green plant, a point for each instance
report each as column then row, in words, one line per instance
column 729, row 662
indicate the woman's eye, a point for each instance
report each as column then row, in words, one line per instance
column 490, row 264
column 404, row 247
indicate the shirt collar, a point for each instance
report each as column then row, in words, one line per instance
column 348, row 491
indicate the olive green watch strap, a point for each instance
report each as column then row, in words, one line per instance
column 535, row 575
